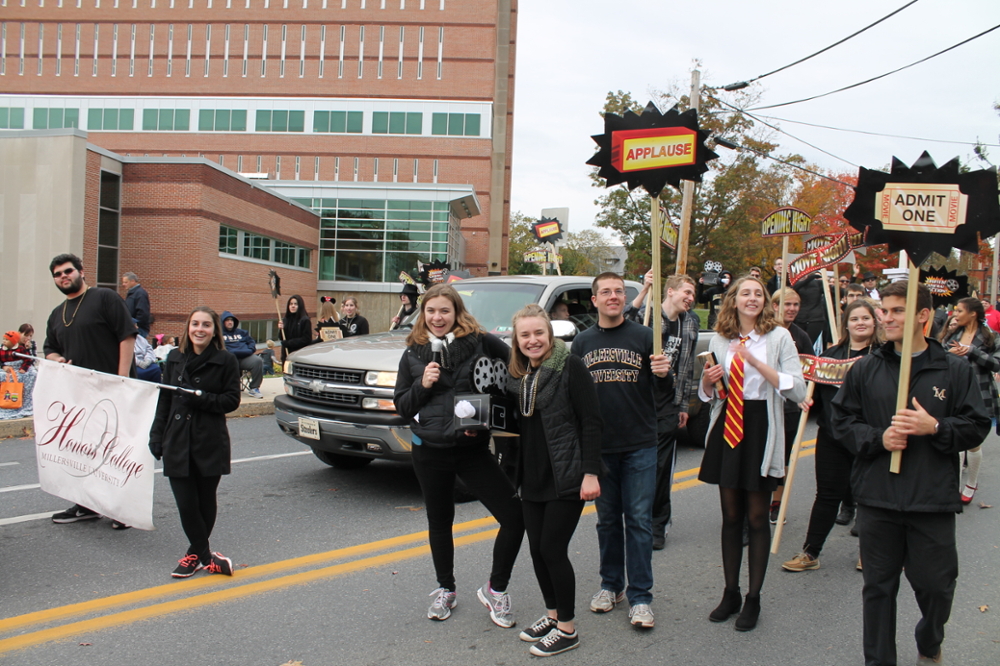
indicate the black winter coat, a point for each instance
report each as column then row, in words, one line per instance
column 862, row 410
column 810, row 290
column 435, row 407
column 298, row 334
column 192, row 429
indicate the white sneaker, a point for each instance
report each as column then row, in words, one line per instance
column 605, row 600
column 641, row 615
column 255, row 393
column 444, row 601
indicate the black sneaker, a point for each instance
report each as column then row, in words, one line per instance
column 775, row 510
column 539, row 630
column 846, row 514
column 75, row 514
column 555, row 643
column 118, row 525
column 220, row 564
column 187, row 566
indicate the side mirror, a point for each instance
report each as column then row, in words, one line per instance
column 564, row 329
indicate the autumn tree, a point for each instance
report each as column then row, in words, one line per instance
column 521, row 240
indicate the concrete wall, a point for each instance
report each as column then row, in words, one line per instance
column 42, row 193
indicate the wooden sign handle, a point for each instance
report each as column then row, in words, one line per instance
column 655, row 288
column 906, row 359
column 790, row 473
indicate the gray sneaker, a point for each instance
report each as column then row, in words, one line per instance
column 499, row 604
column 444, row 601
column 641, row 615
column 605, row 600
column 255, row 393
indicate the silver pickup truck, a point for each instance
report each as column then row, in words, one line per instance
column 338, row 395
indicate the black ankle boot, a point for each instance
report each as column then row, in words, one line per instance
column 730, row 605
column 748, row 617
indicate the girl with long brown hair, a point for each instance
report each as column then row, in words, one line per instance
column 437, row 366
column 745, row 449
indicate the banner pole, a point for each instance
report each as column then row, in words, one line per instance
column 836, row 306
column 906, row 359
column 781, row 280
column 790, row 473
column 108, row 374
column 655, row 288
column 830, row 317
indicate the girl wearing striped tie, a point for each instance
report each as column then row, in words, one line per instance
column 745, row 450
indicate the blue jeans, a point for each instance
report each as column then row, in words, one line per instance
column 627, row 490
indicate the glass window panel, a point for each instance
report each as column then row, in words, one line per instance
column 338, row 121
column 222, row 117
column 400, row 261
column 107, row 228
column 439, row 124
column 398, row 205
column 72, row 118
column 359, row 266
column 55, row 118
column 329, row 203
column 166, row 119
column 182, row 119
column 149, row 120
column 263, row 121
column 400, row 246
column 472, row 124
column 95, row 119
column 110, row 119
column 326, row 265
column 107, row 266
column 358, row 234
column 126, row 119
column 456, row 124
column 408, row 236
column 370, row 246
column 17, row 119
column 414, row 123
column 380, row 122
column 420, row 205
column 355, row 121
column 321, row 121
column 110, row 190
column 304, row 255
column 279, row 121
column 296, row 121
column 239, row 121
column 4, row 117
column 206, row 120
column 40, row 119
column 374, row 204
column 397, row 123
column 440, row 206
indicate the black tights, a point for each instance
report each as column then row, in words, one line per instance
column 195, row 496
column 550, row 527
column 754, row 505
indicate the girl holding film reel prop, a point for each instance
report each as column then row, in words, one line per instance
column 449, row 360
column 745, row 450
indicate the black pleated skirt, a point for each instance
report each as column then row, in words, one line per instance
column 739, row 467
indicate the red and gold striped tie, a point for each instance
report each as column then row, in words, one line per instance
column 733, row 433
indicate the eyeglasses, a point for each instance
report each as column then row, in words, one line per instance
column 845, row 282
column 67, row 272
column 604, row 293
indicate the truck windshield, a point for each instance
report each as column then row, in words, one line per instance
column 494, row 304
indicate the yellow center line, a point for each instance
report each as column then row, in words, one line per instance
column 213, row 596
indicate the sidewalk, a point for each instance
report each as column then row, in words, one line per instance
column 271, row 387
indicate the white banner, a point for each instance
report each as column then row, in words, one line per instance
column 92, row 441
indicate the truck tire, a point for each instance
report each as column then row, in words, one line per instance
column 341, row 461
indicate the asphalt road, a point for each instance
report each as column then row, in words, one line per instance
column 332, row 568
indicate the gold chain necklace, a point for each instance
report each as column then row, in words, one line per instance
column 529, row 387
column 69, row 323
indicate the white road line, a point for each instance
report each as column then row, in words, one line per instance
column 30, row 516
column 29, row 486
column 8, row 464
column 275, row 456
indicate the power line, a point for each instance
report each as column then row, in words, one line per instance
column 744, row 84
column 778, row 129
column 892, row 136
column 880, row 76
column 735, row 146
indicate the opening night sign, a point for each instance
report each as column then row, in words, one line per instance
column 656, row 148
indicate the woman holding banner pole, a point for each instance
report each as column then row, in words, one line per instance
column 745, row 449
column 976, row 341
column 189, row 433
column 860, row 330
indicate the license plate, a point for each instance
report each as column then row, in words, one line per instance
column 308, row 428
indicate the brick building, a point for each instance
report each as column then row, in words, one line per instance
column 397, row 113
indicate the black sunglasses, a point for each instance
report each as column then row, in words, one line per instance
column 68, row 271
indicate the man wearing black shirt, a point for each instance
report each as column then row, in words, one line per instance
column 91, row 329
column 618, row 354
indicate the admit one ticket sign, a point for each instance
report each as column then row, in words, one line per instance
column 924, row 207
column 655, row 148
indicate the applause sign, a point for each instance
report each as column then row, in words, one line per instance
column 656, row 148
column 92, row 441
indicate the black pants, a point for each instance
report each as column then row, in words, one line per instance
column 833, row 486
column 923, row 543
column 195, row 497
column 436, row 470
column 666, row 459
column 550, row 526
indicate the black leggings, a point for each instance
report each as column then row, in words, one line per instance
column 833, row 486
column 436, row 470
column 550, row 526
column 754, row 505
column 195, row 497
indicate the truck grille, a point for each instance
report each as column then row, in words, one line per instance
column 327, row 398
column 328, row 374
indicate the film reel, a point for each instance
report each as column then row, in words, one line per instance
column 483, row 375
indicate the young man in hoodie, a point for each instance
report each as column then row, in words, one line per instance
column 907, row 520
column 244, row 348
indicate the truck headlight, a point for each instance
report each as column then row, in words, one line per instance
column 384, row 379
column 287, row 368
column 378, row 403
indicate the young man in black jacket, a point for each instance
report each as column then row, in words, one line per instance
column 907, row 520
column 619, row 355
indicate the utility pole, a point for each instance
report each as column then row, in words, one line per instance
column 687, row 205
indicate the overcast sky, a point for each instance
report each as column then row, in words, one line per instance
column 570, row 53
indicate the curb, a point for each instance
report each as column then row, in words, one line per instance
column 21, row 428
